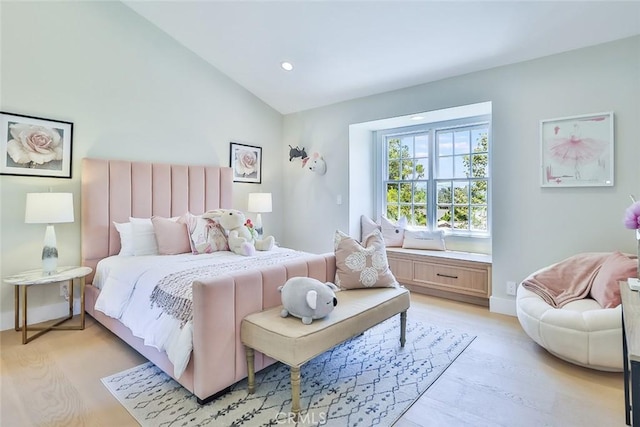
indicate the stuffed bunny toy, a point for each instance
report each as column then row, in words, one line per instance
column 241, row 240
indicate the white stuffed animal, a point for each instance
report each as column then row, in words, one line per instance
column 307, row 298
column 241, row 241
column 317, row 164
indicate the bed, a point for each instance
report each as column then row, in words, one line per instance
column 114, row 190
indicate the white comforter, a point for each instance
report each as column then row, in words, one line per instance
column 126, row 285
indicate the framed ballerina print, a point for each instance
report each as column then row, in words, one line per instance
column 577, row 151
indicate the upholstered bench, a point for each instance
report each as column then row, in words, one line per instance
column 293, row 343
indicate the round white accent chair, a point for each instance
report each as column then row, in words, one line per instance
column 581, row 332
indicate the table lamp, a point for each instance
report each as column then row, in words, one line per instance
column 259, row 203
column 49, row 208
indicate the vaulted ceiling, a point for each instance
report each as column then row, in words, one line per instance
column 349, row 49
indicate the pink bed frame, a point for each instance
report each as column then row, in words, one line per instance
column 114, row 190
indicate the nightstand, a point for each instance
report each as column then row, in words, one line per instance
column 631, row 352
column 23, row 281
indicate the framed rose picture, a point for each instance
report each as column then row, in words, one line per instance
column 246, row 162
column 33, row 146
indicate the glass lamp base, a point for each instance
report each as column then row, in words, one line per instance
column 49, row 251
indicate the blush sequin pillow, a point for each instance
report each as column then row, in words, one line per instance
column 362, row 265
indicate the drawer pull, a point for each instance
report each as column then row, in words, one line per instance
column 446, row 275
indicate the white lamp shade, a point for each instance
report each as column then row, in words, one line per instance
column 49, row 208
column 259, row 202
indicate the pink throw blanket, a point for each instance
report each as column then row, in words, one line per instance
column 569, row 280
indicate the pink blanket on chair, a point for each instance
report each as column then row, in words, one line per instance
column 569, row 280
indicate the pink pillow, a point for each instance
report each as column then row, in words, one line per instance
column 367, row 226
column 616, row 267
column 359, row 266
column 172, row 236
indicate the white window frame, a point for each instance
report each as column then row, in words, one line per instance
column 381, row 155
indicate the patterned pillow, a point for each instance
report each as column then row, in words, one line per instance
column 362, row 266
column 206, row 235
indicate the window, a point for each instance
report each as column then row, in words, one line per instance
column 437, row 175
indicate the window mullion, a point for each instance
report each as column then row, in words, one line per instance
column 453, row 158
column 432, row 196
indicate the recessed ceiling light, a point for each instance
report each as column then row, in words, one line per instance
column 417, row 118
column 288, row 66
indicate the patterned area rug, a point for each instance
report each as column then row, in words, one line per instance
column 367, row 381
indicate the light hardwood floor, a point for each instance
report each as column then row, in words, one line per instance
column 502, row 379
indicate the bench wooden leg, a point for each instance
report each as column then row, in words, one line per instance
column 250, row 369
column 403, row 328
column 295, row 392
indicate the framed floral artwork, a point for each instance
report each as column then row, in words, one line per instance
column 577, row 151
column 246, row 162
column 33, row 146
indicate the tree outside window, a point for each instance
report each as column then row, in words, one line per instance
column 456, row 185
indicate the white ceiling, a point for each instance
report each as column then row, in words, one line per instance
column 349, row 49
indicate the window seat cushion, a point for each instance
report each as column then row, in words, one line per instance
column 446, row 254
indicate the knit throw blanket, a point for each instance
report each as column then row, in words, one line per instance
column 173, row 293
column 566, row 281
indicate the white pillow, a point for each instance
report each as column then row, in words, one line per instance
column 393, row 233
column 144, row 237
column 423, row 239
column 126, row 238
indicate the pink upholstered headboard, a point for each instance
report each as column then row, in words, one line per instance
column 114, row 190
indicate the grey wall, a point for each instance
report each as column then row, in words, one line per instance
column 132, row 93
column 532, row 226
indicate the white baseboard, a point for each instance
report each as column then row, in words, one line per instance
column 40, row 314
column 502, row 306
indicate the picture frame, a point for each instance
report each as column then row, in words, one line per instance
column 577, row 151
column 35, row 146
column 246, row 163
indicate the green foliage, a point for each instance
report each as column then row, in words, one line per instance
column 400, row 196
column 477, row 162
column 461, row 204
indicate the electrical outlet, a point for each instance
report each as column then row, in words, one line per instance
column 64, row 291
column 511, row 288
